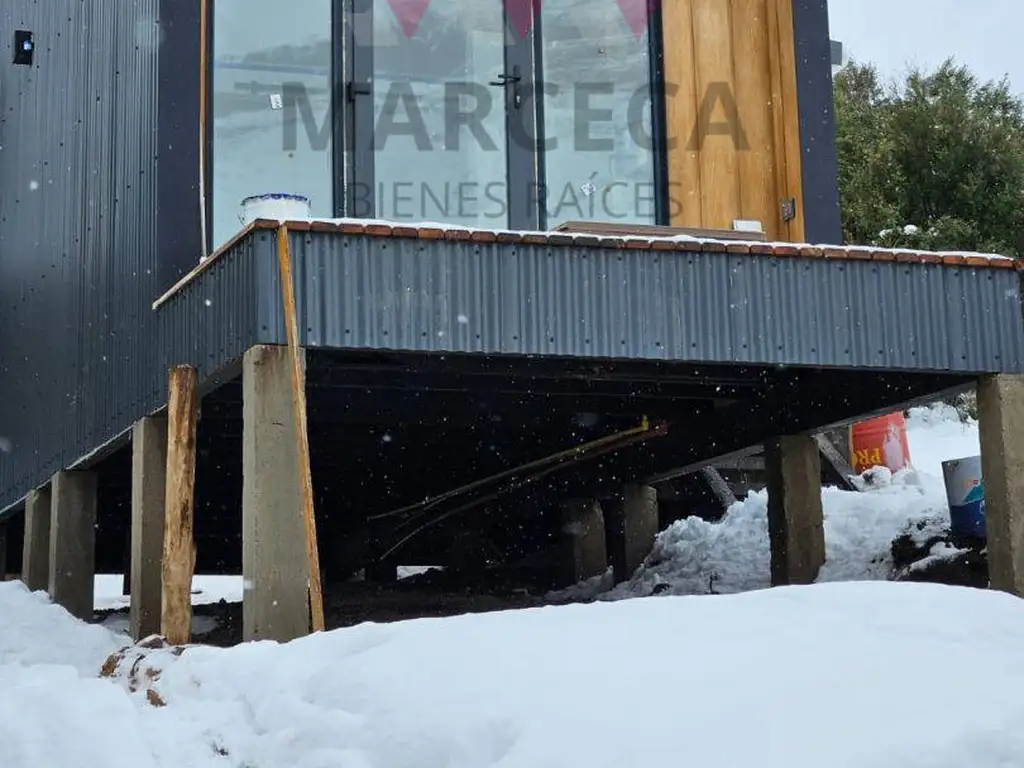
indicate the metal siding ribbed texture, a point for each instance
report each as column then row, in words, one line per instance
column 362, row 292
column 819, row 164
column 211, row 321
column 77, row 230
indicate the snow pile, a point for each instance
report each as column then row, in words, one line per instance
column 695, row 557
column 937, row 434
column 35, row 631
column 794, row 677
column 54, row 712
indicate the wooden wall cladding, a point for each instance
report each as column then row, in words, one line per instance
column 732, row 114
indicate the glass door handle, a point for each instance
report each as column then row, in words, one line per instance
column 353, row 89
column 504, row 80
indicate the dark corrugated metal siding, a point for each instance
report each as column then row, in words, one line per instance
column 435, row 295
column 211, row 321
column 819, row 165
column 78, row 206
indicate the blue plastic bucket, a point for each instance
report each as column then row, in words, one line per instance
column 965, row 493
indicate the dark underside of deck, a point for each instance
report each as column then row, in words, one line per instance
column 432, row 363
column 391, row 430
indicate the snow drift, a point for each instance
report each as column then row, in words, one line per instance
column 861, row 674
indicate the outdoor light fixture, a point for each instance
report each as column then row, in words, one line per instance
column 24, row 47
column 837, row 52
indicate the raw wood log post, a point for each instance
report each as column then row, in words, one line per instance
column 179, row 542
column 316, row 600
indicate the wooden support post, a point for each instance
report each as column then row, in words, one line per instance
column 179, row 553
column 316, row 600
column 35, row 553
column 837, row 463
column 149, row 488
column 719, row 487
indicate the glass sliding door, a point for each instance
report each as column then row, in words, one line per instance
column 598, row 159
column 271, row 100
column 450, row 91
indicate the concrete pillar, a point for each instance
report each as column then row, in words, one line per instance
column 73, row 542
column 1001, row 427
column 35, row 554
column 632, row 522
column 795, row 519
column 584, row 551
column 149, row 480
column 274, row 562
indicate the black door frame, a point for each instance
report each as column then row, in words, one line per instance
column 355, row 113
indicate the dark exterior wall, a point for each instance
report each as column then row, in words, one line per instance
column 817, row 122
column 179, row 226
column 78, row 211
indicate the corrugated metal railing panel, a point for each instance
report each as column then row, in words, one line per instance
column 212, row 320
column 360, row 292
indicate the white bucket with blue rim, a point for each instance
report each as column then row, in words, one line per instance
column 279, row 206
column 965, row 492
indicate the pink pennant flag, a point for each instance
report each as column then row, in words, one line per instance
column 409, row 14
column 637, row 14
column 522, row 14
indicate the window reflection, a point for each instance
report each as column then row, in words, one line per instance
column 597, row 114
column 441, row 148
column 430, row 163
column 271, row 106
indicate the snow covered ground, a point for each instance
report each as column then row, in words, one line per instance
column 109, row 591
column 205, row 590
column 695, row 557
column 867, row 674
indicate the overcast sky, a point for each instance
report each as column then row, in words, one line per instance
column 984, row 34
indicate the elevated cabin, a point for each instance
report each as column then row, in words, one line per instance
column 131, row 131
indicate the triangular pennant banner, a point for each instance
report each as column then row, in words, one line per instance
column 521, row 14
column 637, row 14
column 409, row 14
